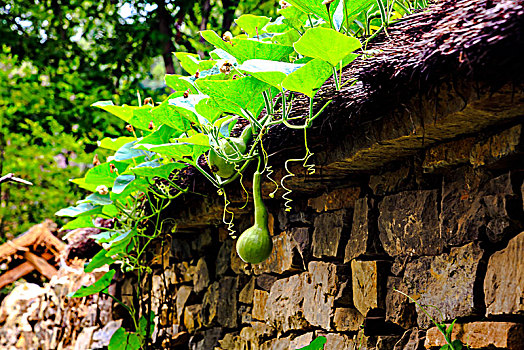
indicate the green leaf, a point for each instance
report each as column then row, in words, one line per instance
column 191, row 62
column 449, row 330
column 270, row 72
column 155, row 168
column 179, row 83
column 102, row 174
column 123, row 340
column 123, row 112
column 100, row 259
column 96, row 199
column 457, row 344
column 198, row 139
column 287, row 38
column 252, row 24
column 317, row 344
column 127, row 153
column 309, row 78
column 315, row 7
column 80, row 222
column 234, row 95
column 326, row 44
column 209, row 109
column 159, row 136
column 80, row 210
column 96, row 287
column 122, row 182
column 142, row 325
column 115, row 144
column 119, row 242
column 246, row 49
column 177, row 112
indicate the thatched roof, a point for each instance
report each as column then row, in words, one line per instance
column 451, row 70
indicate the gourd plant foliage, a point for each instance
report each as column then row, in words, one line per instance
column 265, row 68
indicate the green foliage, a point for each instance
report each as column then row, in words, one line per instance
column 97, row 287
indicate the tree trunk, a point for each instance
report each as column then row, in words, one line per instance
column 165, row 23
column 230, row 7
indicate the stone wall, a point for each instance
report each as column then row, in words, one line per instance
column 444, row 226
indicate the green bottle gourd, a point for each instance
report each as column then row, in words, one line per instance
column 222, row 167
column 255, row 244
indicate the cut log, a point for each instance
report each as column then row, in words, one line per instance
column 20, row 271
column 41, row 265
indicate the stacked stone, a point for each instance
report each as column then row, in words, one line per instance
column 444, row 226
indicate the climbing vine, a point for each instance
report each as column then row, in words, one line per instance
column 252, row 79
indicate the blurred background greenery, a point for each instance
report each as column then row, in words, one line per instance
column 57, row 57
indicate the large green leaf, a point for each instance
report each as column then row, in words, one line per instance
column 127, row 153
column 173, row 115
column 270, row 72
column 79, row 222
column 209, row 109
column 155, row 168
column 159, row 136
column 136, row 116
column 192, row 63
column 179, row 83
column 115, row 144
column 96, row 287
column 252, row 24
column 123, row 340
column 178, row 151
column 234, row 95
column 80, row 210
column 326, row 44
column 247, row 49
column 103, row 175
column 309, row 78
column 96, row 199
column 99, row 260
column 315, row 7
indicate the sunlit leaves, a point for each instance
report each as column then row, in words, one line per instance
column 251, row 24
column 246, row 49
column 326, row 44
column 309, row 78
column 270, row 72
column 96, row 287
column 234, row 95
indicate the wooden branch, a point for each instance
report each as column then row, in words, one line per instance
column 41, row 265
column 11, row 177
column 20, row 271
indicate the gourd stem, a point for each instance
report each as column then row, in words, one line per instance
column 261, row 219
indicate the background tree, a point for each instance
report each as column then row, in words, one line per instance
column 57, row 57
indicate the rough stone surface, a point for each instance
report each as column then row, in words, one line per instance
column 362, row 231
column 446, row 282
column 303, row 242
column 411, row 340
column 246, row 293
column 245, row 313
column 497, row 147
column 181, row 298
column 387, row 342
column 265, row 282
column 328, row 233
column 223, row 261
column 481, row 335
column 182, row 273
column 302, row 341
column 448, row 154
column 504, row 282
column 473, row 204
column 408, row 223
column 205, row 340
column 347, row 319
column 285, row 257
column 284, row 304
column 339, row 341
column 389, row 182
column 201, row 276
column 320, row 290
column 337, row 199
column 192, row 319
column 399, row 309
column 238, row 265
column 366, row 282
column 220, row 303
column 259, row 304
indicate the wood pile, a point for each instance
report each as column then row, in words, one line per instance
column 44, row 317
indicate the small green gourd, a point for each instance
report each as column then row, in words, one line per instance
column 219, row 165
column 255, row 244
